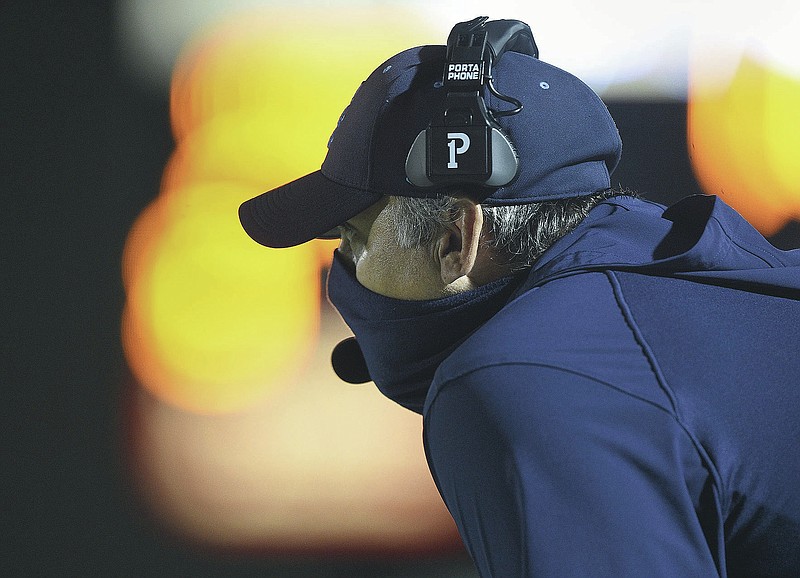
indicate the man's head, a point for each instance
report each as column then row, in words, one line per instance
column 436, row 254
column 425, row 248
column 566, row 145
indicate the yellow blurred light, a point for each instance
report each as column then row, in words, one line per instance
column 256, row 148
column 292, row 63
column 782, row 127
column 210, row 318
column 744, row 141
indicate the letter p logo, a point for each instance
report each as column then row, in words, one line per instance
column 452, row 137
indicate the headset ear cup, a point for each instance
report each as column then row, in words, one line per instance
column 417, row 162
column 504, row 164
column 505, row 159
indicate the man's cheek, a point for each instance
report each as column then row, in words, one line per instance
column 367, row 274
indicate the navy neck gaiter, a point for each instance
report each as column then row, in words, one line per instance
column 403, row 342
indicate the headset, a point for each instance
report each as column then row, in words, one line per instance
column 464, row 145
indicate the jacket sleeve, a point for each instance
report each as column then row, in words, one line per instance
column 551, row 473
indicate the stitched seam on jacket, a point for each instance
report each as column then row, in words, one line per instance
column 662, row 381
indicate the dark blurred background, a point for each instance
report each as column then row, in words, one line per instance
column 83, row 147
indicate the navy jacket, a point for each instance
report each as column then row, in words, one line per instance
column 634, row 410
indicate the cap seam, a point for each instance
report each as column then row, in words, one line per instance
column 381, row 110
column 343, row 183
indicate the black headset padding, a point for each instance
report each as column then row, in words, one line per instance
column 510, row 36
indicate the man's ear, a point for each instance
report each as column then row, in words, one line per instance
column 458, row 246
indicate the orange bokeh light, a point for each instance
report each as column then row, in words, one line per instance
column 318, row 468
column 212, row 321
column 231, row 341
column 196, row 329
column 744, row 138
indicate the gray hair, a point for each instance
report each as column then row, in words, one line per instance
column 518, row 234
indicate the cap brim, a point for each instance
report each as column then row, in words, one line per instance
column 302, row 210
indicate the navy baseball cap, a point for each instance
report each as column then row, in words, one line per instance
column 566, row 140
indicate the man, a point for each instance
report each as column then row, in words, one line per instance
column 608, row 387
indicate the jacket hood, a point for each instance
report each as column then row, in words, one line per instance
column 699, row 238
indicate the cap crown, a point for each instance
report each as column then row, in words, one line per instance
column 566, row 140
